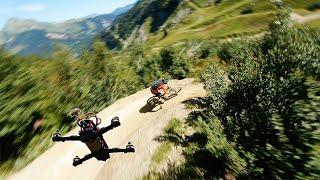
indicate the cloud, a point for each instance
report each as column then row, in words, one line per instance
column 32, row 7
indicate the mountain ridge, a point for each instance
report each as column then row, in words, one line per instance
column 39, row 38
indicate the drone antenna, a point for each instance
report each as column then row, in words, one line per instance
column 75, row 112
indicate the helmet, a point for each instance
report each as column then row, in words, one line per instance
column 165, row 81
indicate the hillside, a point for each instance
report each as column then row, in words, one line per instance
column 162, row 23
column 26, row 37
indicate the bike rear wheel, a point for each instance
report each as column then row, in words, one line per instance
column 153, row 101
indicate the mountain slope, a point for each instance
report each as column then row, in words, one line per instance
column 154, row 24
column 127, row 25
column 27, row 37
column 138, row 126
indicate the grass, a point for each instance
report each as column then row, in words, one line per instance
column 313, row 23
column 245, row 24
column 223, row 20
column 213, row 12
column 216, row 21
column 174, row 128
column 263, row 5
column 191, row 106
column 200, row 3
column 250, row 23
column 302, row 12
column 300, row 3
column 161, row 153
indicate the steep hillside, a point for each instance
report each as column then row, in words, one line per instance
column 160, row 23
column 27, row 37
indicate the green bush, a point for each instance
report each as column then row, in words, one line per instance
column 247, row 10
column 208, row 49
column 167, row 64
column 150, row 70
column 215, row 155
column 179, row 68
column 314, row 6
column 233, row 52
column 267, row 101
column 217, row 2
column 167, row 57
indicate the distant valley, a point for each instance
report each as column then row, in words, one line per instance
column 29, row 37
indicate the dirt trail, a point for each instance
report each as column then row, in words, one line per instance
column 138, row 125
column 303, row 19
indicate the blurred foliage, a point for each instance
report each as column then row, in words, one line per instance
column 267, row 101
column 36, row 95
column 168, row 63
column 314, row 6
column 110, row 40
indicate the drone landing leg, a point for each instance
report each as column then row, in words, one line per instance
column 77, row 160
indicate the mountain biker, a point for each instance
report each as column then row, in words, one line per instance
column 159, row 87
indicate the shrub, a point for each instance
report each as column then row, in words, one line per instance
column 179, row 68
column 167, row 58
column 150, row 70
column 167, row 63
column 208, row 49
column 247, row 10
column 267, row 101
column 215, row 155
column 233, row 52
column 314, row 6
column 217, row 2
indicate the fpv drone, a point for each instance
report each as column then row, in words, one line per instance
column 92, row 136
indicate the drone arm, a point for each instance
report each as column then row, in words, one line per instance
column 72, row 138
column 129, row 148
column 68, row 138
column 87, row 157
column 114, row 123
column 81, row 160
column 117, row 150
column 106, row 129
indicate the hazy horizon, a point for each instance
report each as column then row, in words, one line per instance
column 57, row 11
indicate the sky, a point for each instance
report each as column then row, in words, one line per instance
column 56, row 10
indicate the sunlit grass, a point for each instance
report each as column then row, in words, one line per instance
column 250, row 23
column 161, row 153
